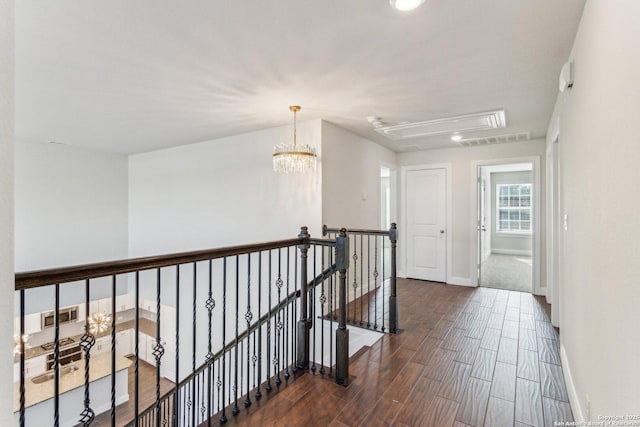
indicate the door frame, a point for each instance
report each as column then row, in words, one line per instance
column 448, row 216
column 393, row 186
column 553, row 228
column 536, row 219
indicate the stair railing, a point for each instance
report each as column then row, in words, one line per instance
column 204, row 351
column 372, row 296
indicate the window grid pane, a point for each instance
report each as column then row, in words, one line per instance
column 514, row 207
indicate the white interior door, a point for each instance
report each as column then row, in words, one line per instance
column 426, row 224
column 480, row 189
column 168, row 338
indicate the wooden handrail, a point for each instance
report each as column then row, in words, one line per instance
column 34, row 279
column 326, row 230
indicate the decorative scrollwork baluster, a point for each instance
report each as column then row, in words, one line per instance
column 87, row 341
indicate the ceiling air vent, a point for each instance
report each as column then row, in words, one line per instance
column 495, row 139
column 468, row 122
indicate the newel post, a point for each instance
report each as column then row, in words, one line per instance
column 304, row 324
column 393, row 297
column 342, row 334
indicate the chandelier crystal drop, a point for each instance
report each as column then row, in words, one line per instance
column 292, row 158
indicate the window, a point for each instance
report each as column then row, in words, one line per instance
column 514, row 208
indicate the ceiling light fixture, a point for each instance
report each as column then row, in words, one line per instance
column 17, row 344
column 457, row 137
column 99, row 322
column 405, row 5
column 291, row 158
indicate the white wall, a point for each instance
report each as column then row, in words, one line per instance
column 502, row 243
column 351, row 169
column 70, row 206
column 220, row 193
column 599, row 155
column 70, row 209
column 461, row 160
column 215, row 194
column 6, row 208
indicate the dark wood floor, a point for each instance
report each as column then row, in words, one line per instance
column 147, row 395
column 467, row 356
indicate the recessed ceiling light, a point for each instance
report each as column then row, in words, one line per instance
column 405, row 5
column 456, row 137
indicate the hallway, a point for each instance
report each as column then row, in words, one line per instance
column 467, row 356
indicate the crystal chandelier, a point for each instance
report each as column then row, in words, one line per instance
column 99, row 322
column 291, row 158
column 17, row 345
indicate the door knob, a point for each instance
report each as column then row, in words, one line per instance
column 441, row 231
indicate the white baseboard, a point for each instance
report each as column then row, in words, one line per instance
column 460, row 281
column 517, row 252
column 574, row 401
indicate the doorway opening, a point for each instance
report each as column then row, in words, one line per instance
column 506, row 226
column 387, row 208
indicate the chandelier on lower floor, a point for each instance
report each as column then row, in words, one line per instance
column 291, row 158
column 99, row 322
column 17, row 343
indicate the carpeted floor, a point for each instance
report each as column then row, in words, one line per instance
column 511, row 272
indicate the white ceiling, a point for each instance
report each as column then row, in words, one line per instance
column 133, row 76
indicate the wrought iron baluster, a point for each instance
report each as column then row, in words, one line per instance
column 286, row 323
column 231, row 388
column 375, row 282
column 193, row 337
column 241, row 364
column 383, row 285
column 268, row 386
column 56, row 358
column 369, row 281
column 136, row 350
column 312, row 315
column 348, row 278
column 201, row 398
column 178, row 393
column 331, row 314
column 294, row 315
column 248, row 317
column 187, row 404
column 220, row 394
column 86, row 342
column 113, row 350
column 323, row 300
column 210, row 304
column 223, row 416
column 361, row 282
column 21, row 338
column 235, row 409
column 158, row 348
column 258, row 359
column 277, row 351
column 355, row 277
